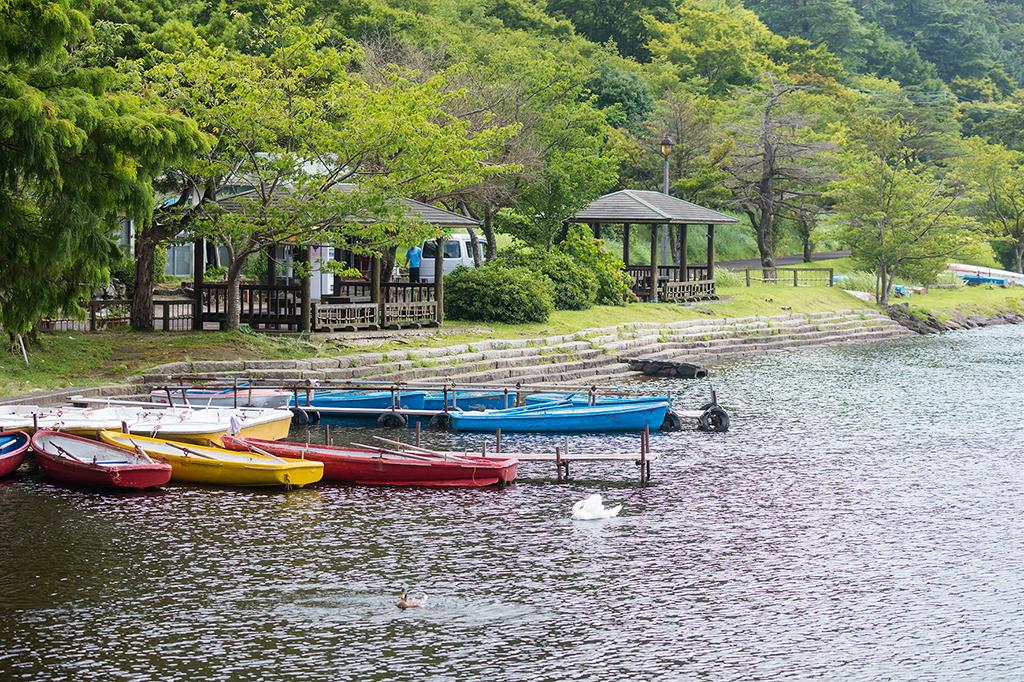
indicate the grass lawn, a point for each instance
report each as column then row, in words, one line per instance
column 79, row 359
column 981, row 300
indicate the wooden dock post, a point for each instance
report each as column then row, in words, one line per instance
column 497, row 438
column 234, row 391
column 327, row 430
column 558, row 463
column 418, row 424
column 644, row 445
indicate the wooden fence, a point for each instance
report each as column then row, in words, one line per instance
column 115, row 313
column 793, row 277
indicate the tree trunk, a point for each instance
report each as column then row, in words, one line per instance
column 492, row 241
column 474, row 244
column 234, row 307
column 142, row 297
column 1018, row 257
column 807, row 248
column 765, row 247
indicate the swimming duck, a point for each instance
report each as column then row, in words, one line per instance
column 409, row 602
column 592, row 509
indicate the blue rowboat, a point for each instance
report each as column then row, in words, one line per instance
column 564, row 417
column 380, row 400
column 469, row 400
column 584, row 399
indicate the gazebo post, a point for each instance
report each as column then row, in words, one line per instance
column 439, row 280
column 711, row 252
column 198, row 269
column 654, row 263
column 336, row 285
column 271, row 266
column 597, row 230
column 683, row 232
column 306, row 309
column 626, row 229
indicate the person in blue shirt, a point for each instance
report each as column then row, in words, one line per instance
column 413, row 257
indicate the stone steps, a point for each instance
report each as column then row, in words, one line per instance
column 582, row 356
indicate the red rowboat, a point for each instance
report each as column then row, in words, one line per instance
column 367, row 466
column 83, row 462
column 13, row 445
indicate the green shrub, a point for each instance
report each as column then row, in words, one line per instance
column 858, row 281
column 123, row 272
column 496, row 293
column 613, row 285
column 575, row 285
column 729, row 278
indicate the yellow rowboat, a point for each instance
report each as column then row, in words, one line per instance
column 202, row 426
column 204, row 464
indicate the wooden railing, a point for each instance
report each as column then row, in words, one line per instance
column 261, row 305
column 336, row 317
column 687, row 291
column 407, row 292
column 420, row 313
column 103, row 314
column 794, row 277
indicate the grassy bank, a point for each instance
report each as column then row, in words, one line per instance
column 80, row 359
column 985, row 301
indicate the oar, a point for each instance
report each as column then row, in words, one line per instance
column 68, row 454
column 409, row 455
column 431, row 454
column 187, row 451
column 261, row 451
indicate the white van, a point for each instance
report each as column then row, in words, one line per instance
column 457, row 251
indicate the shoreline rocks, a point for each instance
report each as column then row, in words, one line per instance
column 931, row 325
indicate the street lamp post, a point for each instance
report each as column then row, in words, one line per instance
column 666, row 150
column 666, row 241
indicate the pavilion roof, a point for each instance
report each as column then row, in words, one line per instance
column 646, row 207
column 432, row 215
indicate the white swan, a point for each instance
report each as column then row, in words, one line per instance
column 592, row 509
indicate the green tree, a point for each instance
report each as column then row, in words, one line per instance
column 997, row 174
column 293, row 127
column 626, row 22
column 902, row 218
column 78, row 154
column 776, row 167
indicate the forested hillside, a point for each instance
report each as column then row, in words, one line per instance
column 794, row 115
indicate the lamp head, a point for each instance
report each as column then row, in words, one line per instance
column 666, row 146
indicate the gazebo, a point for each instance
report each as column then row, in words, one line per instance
column 629, row 207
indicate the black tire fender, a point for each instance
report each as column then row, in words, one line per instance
column 672, row 422
column 392, row 420
column 714, row 419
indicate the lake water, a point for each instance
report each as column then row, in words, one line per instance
column 863, row 519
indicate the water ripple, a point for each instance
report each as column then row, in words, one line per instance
column 862, row 520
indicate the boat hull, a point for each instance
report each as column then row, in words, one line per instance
column 255, row 471
column 257, row 397
column 378, row 400
column 13, row 447
column 369, row 467
column 596, row 419
column 469, row 400
column 127, row 476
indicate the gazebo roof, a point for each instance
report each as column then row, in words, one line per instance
column 646, row 207
column 425, row 212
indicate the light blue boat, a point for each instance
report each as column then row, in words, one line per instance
column 469, row 400
column 564, row 418
column 578, row 399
